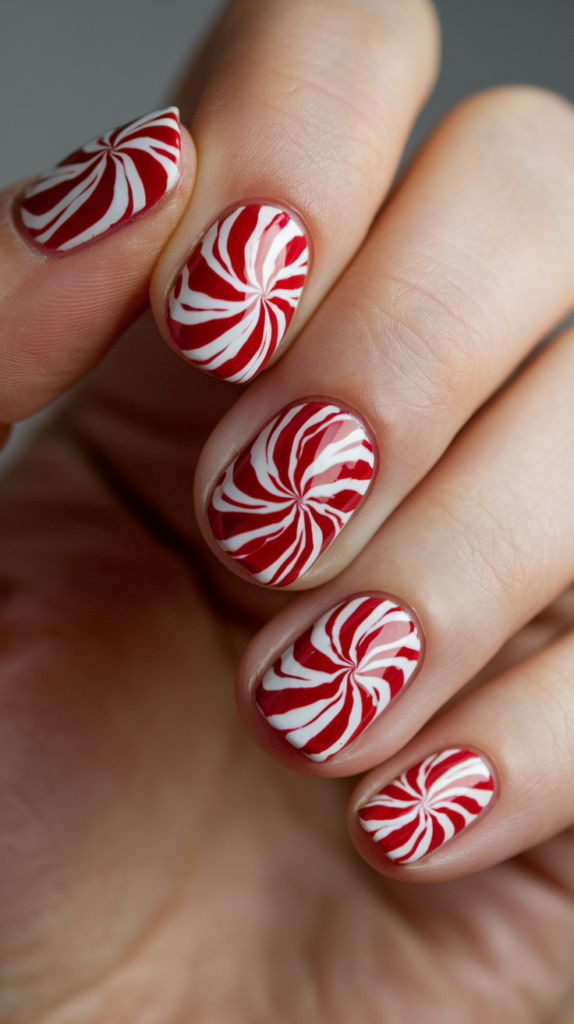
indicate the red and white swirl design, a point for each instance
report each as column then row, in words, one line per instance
column 340, row 675
column 105, row 183
column 428, row 804
column 290, row 492
column 235, row 298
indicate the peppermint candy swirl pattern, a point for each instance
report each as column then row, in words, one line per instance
column 236, row 296
column 107, row 182
column 428, row 804
column 340, row 675
column 292, row 490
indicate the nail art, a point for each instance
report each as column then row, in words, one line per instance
column 237, row 294
column 340, row 674
column 106, row 183
column 289, row 494
column 428, row 804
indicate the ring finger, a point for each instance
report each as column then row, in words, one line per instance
column 481, row 546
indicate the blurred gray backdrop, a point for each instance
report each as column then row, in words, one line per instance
column 70, row 69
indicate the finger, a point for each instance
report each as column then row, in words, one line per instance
column 299, row 131
column 469, row 265
column 511, row 764
column 77, row 247
column 478, row 549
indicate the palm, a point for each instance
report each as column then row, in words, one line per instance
column 154, row 865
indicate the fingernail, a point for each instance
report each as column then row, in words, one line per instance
column 340, row 674
column 428, row 804
column 105, row 184
column 289, row 494
column 238, row 291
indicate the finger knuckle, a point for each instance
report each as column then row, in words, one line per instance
column 523, row 136
column 489, row 552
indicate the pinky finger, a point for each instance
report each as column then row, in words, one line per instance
column 486, row 780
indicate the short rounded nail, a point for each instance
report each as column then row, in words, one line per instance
column 289, row 493
column 429, row 804
column 236, row 296
column 340, row 674
column 105, row 184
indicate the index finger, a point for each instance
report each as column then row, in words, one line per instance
column 299, row 133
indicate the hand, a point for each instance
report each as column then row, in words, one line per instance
column 155, row 865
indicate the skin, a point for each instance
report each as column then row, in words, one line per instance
column 155, row 865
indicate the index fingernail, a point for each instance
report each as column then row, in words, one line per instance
column 236, row 295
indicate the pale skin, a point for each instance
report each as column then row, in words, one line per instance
column 156, row 865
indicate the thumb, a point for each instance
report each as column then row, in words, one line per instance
column 77, row 248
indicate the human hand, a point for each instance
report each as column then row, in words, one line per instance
column 155, row 865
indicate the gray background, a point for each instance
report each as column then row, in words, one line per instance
column 70, row 69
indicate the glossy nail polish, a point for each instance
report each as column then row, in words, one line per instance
column 428, row 804
column 105, row 184
column 238, row 291
column 289, row 494
column 340, row 674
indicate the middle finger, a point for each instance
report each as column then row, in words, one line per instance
column 470, row 264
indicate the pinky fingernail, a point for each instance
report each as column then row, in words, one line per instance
column 428, row 804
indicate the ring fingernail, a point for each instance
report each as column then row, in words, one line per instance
column 428, row 804
column 340, row 674
column 289, row 494
column 106, row 183
column 238, row 291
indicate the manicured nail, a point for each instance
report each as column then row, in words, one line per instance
column 237, row 293
column 292, row 490
column 428, row 804
column 105, row 184
column 340, row 674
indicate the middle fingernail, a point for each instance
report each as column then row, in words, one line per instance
column 340, row 674
column 236, row 295
column 289, row 493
